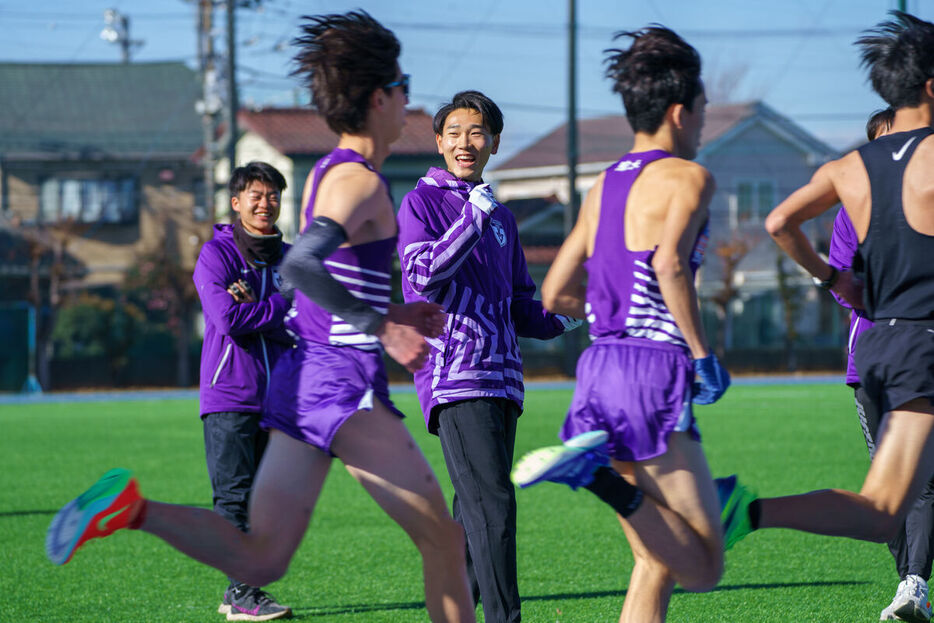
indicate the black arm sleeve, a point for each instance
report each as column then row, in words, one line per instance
column 303, row 268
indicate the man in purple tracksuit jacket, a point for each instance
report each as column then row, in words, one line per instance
column 460, row 248
column 913, row 545
column 237, row 278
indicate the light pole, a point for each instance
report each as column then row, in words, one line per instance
column 117, row 31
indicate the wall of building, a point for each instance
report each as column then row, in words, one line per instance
column 165, row 212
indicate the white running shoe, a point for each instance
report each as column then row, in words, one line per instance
column 572, row 463
column 910, row 602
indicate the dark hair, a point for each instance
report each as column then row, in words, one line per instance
column 659, row 69
column 471, row 100
column 255, row 171
column 343, row 59
column 899, row 54
column 879, row 122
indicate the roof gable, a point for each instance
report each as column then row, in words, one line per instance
column 302, row 131
column 102, row 109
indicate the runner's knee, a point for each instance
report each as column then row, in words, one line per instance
column 442, row 534
column 883, row 528
column 264, row 569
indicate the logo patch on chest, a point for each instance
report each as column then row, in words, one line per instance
column 499, row 231
column 276, row 278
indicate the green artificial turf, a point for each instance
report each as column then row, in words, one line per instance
column 356, row 566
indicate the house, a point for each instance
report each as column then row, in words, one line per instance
column 294, row 139
column 105, row 148
column 96, row 172
column 758, row 157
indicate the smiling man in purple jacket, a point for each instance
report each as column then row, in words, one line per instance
column 237, row 277
column 460, row 248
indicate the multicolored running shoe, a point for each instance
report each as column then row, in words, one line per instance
column 247, row 603
column 572, row 463
column 109, row 505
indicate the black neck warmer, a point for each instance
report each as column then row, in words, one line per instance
column 260, row 251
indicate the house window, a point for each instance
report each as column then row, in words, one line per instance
column 754, row 200
column 88, row 200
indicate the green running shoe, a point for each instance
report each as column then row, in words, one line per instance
column 734, row 509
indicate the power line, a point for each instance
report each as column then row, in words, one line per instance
column 87, row 16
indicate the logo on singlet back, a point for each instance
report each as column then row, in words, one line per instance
column 629, row 165
column 897, row 155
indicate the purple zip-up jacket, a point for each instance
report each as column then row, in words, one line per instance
column 843, row 246
column 241, row 340
column 471, row 263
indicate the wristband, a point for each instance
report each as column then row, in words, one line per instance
column 829, row 282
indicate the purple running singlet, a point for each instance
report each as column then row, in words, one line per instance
column 335, row 370
column 635, row 380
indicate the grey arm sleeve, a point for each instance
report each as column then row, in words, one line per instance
column 303, row 268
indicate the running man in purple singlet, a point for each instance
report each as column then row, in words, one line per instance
column 328, row 396
column 638, row 241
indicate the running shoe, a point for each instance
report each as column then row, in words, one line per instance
column 911, row 601
column 109, row 505
column 734, row 509
column 252, row 604
column 572, row 463
column 224, row 608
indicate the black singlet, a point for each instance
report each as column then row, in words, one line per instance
column 895, row 261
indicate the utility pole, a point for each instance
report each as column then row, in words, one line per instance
column 210, row 103
column 571, row 339
column 232, row 101
column 573, row 204
column 117, row 31
column 903, row 6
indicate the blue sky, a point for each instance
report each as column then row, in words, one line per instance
column 796, row 55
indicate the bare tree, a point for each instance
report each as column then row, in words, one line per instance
column 163, row 283
column 790, row 296
column 721, row 84
column 730, row 252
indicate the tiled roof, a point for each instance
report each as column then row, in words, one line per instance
column 606, row 139
column 302, row 131
column 98, row 110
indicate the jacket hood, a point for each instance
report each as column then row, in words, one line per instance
column 223, row 230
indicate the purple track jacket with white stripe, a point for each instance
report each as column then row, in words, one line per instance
column 471, row 263
column 241, row 340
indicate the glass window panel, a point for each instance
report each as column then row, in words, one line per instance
column 71, row 200
column 744, row 198
column 93, row 201
column 110, row 204
column 49, row 200
column 766, row 197
column 127, row 198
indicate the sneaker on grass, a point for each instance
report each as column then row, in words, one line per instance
column 734, row 509
column 248, row 603
column 224, row 608
column 910, row 602
column 109, row 505
column 572, row 463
